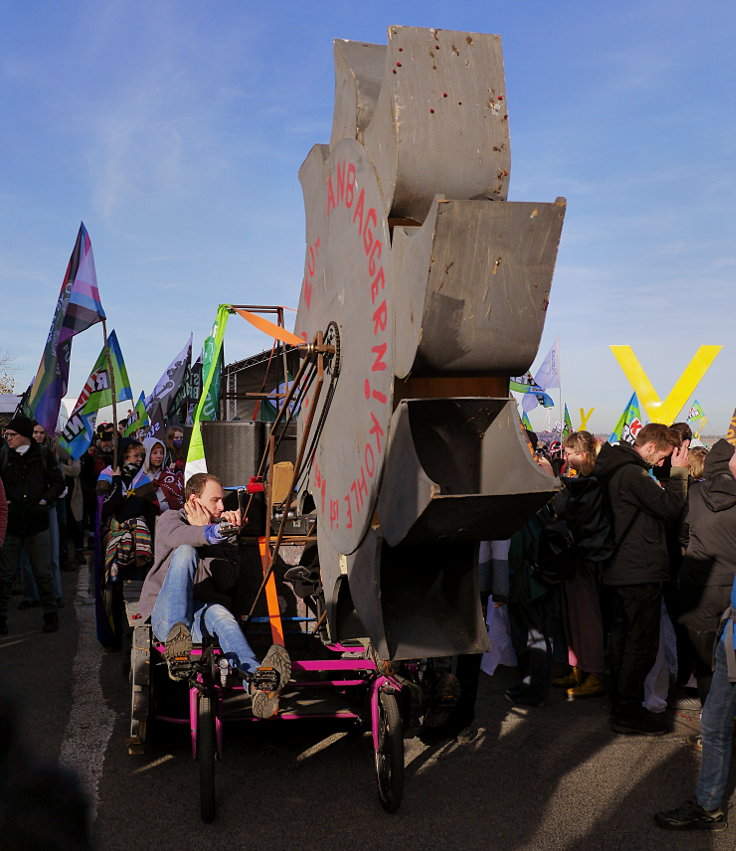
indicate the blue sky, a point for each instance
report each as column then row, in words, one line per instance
column 175, row 131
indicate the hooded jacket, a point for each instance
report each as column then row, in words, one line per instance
column 709, row 527
column 640, row 508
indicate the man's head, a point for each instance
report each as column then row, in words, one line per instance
column 206, row 490
column 104, row 441
column 19, row 432
column 683, row 431
column 655, row 442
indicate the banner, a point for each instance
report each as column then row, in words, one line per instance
column 157, row 424
column 525, row 422
column 139, row 418
column 206, row 410
column 167, row 386
column 731, row 433
column 78, row 432
column 77, row 309
column 629, row 423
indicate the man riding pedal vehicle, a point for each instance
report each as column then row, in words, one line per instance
column 185, row 592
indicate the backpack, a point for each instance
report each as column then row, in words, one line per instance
column 556, row 552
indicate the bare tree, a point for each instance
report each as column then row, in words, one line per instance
column 7, row 367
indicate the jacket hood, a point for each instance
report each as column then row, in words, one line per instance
column 612, row 458
column 148, row 444
column 719, row 487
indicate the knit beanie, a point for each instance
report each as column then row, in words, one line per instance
column 22, row 425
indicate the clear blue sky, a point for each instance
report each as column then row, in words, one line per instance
column 175, row 131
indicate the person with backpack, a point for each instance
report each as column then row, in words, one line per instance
column 632, row 579
column 31, row 484
column 704, row 810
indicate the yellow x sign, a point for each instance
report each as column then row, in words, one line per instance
column 657, row 410
column 584, row 418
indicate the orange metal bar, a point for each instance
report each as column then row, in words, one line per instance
column 272, row 598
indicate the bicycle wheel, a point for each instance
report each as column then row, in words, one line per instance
column 206, row 754
column 390, row 754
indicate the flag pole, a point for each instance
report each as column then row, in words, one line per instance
column 111, row 374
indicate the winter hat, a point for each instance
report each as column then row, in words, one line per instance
column 22, row 425
column 718, row 458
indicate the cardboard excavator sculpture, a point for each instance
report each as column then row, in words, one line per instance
column 432, row 290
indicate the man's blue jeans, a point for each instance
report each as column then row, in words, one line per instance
column 175, row 603
column 717, row 729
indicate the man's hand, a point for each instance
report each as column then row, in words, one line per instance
column 231, row 517
column 680, row 456
column 197, row 514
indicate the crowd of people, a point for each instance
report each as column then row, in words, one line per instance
column 54, row 508
column 630, row 568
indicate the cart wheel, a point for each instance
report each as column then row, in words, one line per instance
column 390, row 754
column 206, row 751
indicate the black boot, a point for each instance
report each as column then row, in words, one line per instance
column 50, row 622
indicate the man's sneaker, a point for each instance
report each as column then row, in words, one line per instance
column 590, row 687
column 50, row 622
column 270, row 677
column 569, row 680
column 691, row 816
column 3, row 625
column 641, row 725
column 178, row 651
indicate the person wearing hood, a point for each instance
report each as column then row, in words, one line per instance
column 709, row 565
column 32, row 482
column 632, row 580
column 168, row 484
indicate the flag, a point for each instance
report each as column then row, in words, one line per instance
column 139, row 418
column 157, row 422
column 167, row 386
column 567, row 428
column 195, row 385
column 97, row 393
column 731, row 433
column 629, row 423
column 77, row 309
column 525, row 422
column 695, row 413
column 207, row 405
column 548, row 374
column 532, row 391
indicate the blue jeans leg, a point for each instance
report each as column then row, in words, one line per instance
column 717, row 729
column 174, row 602
column 217, row 622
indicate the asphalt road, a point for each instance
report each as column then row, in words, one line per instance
column 549, row 778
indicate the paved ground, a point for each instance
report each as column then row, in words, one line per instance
column 551, row 778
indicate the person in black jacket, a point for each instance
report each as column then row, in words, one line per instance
column 632, row 581
column 32, row 481
column 709, row 566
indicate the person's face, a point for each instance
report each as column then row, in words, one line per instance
column 654, row 456
column 157, row 455
column 178, row 435
column 575, row 459
column 14, row 439
column 39, row 434
column 135, row 456
column 105, row 443
column 211, row 499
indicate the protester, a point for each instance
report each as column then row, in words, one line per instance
column 3, row 513
column 704, row 810
column 175, row 447
column 632, row 581
column 696, row 462
column 31, row 483
column 187, row 591
column 580, row 596
column 709, row 564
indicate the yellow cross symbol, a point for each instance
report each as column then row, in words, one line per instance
column 657, row 410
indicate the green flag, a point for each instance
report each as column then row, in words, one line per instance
column 567, row 428
column 207, row 406
column 139, row 417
